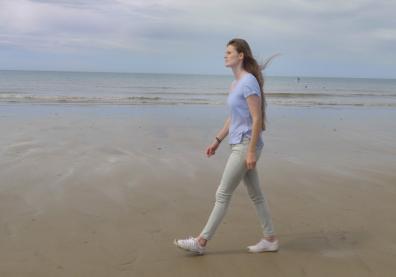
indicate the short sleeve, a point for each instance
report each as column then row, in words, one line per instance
column 251, row 88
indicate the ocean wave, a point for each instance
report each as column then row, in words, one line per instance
column 286, row 99
column 128, row 100
column 282, row 94
column 324, row 95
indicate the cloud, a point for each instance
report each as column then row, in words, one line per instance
column 327, row 30
column 76, row 24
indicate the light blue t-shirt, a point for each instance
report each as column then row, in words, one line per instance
column 241, row 120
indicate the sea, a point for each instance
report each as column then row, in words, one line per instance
column 96, row 88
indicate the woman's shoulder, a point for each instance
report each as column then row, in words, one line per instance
column 251, row 81
column 250, row 78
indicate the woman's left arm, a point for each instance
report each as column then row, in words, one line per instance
column 254, row 104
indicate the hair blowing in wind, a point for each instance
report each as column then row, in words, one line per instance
column 252, row 66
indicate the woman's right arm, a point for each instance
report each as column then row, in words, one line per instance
column 224, row 131
column 220, row 135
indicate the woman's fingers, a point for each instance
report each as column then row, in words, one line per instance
column 250, row 164
column 210, row 151
column 250, row 160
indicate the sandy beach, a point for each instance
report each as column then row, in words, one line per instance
column 103, row 191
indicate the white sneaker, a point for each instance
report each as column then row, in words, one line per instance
column 264, row 246
column 190, row 244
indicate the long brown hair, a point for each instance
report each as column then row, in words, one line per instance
column 252, row 66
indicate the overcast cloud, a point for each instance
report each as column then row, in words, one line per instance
column 316, row 38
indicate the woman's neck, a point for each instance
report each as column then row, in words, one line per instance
column 239, row 72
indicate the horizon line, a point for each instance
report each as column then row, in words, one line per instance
column 189, row 74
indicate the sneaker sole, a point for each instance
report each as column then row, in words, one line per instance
column 251, row 251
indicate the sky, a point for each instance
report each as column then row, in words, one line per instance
column 334, row 38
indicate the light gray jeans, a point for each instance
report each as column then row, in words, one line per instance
column 236, row 170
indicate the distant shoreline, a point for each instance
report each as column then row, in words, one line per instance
column 194, row 74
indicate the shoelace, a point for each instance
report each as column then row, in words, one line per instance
column 265, row 244
column 189, row 242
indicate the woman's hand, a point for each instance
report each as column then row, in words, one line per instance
column 211, row 150
column 251, row 160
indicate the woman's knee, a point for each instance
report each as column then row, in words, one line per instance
column 222, row 197
column 256, row 196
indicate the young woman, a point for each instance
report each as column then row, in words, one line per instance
column 244, row 127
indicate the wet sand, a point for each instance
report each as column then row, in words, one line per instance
column 103, row 191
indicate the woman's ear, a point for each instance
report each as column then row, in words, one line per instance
column 240, row 56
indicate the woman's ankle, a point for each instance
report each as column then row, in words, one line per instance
column 201, row 241
column 271, row 238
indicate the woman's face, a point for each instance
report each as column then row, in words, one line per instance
column 232, row 58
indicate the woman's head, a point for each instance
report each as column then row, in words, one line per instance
column 238, row 53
